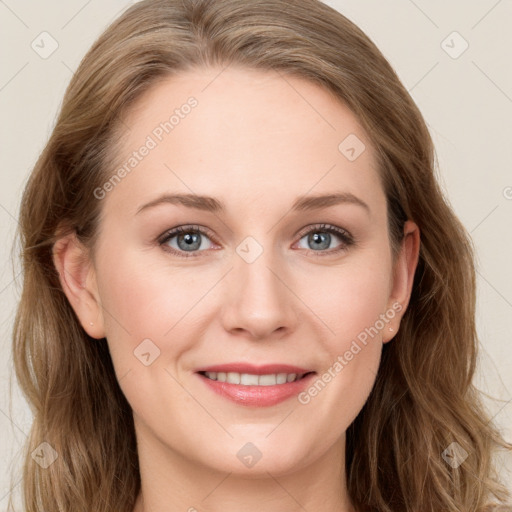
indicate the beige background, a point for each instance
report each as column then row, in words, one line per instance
column 466, row 99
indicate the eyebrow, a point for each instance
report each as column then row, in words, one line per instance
column 210, row 204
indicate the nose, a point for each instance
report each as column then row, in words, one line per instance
column 260, row 303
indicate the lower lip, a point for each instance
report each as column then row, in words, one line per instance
column 258, row 396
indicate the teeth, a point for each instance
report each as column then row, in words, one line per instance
column 248, row 379
column 281, row 378
column 231, row 377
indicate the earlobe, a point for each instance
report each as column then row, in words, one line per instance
column 77, row 278
column 403, row 277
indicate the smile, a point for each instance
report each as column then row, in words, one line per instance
column 248, row 379
column 256, row 390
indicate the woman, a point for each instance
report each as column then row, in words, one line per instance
column 243, row 287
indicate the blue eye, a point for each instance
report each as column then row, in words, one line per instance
column 189, row 239
column 320, row 238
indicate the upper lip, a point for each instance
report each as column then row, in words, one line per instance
column 254, row 370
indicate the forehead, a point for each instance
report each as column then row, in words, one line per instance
column 243, row 135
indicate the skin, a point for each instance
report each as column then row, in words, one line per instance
column 256, row 141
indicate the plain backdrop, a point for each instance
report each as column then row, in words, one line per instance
column 453, row 57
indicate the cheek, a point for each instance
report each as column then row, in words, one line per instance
column 146, row 308
column 352, row 298
column 354, row 306
column 147, row 294
column 144, row 301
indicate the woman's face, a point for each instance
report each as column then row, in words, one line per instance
column 264, row 273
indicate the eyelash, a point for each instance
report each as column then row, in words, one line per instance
column 345, row 236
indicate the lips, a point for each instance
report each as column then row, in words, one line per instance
column 254, row 370
column 258, row 386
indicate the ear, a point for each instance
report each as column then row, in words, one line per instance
column 78, row 280
column 403, row 278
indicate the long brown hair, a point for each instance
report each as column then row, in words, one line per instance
column 423, row 399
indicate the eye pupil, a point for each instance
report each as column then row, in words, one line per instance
column 190, row 240
column 317, row 238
